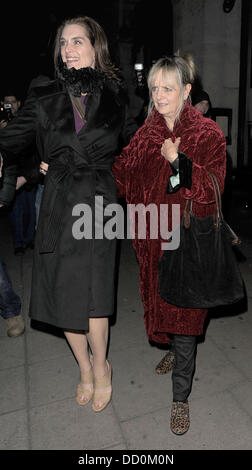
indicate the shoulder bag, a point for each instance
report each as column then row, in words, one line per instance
column 203, row 271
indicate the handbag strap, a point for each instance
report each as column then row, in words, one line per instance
column 187, row 213
column 236, row 240
column 217, row 216
column 216, row 187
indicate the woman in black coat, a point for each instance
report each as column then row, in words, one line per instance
column 77, row 121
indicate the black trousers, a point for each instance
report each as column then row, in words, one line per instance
column 184, row 348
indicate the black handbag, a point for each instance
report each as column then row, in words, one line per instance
column 203, row 271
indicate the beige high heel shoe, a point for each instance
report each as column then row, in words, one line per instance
column 85, row 389
column 102, row 389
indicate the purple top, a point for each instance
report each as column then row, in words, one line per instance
column 79, row 123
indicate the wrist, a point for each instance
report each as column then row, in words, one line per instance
column 173, row 157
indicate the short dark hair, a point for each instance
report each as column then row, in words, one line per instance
column 10, row 93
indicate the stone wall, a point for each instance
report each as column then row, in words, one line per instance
column 202, row 28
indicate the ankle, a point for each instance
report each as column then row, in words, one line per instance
column 85, row 369
column 100, row 369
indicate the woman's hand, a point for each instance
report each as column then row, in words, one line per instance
column 20, row 182
column 3, row 124
column 43, row 168
column 169, row 149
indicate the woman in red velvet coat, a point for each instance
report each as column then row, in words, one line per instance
column 166, row 162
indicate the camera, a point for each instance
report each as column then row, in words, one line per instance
column 5, row 112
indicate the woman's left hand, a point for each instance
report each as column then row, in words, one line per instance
column 21, row 180
column 43, row 168
column 169, row 149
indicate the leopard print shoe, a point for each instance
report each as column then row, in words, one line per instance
column 180, row 419
column 166, row 364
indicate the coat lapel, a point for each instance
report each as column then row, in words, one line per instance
column 101, row 110
column 59, row 109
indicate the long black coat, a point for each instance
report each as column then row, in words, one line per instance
column 73, row 279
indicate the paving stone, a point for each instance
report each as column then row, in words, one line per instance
column 13, row 392
column 12, row 352
column 14, row 431
column 53, row 380
column 43, row 346
column 217, row 423
column 66, row 425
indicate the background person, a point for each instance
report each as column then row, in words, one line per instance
column 199, row 97
column 201, row 102
column 10, row 303
column 22, row 213
column 13, row 106
column 166, row 162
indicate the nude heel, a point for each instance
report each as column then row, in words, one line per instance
column 102, row 389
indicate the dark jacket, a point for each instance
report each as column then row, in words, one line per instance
column 72, row 278
column 8, row 184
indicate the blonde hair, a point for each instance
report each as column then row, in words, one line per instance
column 184, row 69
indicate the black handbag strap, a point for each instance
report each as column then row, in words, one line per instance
column 218, row 208
column 217, row 216
column 217, row 193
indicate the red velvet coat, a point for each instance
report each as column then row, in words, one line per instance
column 142, row 174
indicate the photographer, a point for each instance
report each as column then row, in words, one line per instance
column 23, row 213
column 10, row 108
column 10, row 304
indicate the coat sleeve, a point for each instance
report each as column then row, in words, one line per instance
column 210, row 155
column 129, row 129
column 182, row 174
column 20, row 133
column 29, row 166
column 8, row 184
column 123, row 169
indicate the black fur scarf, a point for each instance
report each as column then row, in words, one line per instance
column 77, row 81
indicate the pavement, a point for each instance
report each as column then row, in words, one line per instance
column 39, row 375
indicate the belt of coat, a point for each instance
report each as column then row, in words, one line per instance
column 62, row 173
